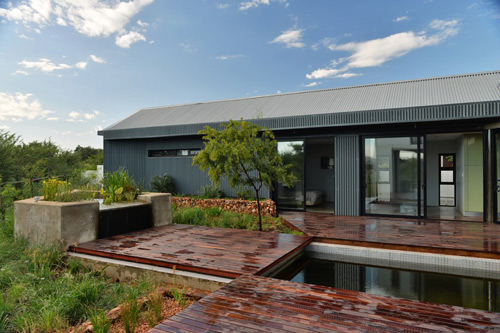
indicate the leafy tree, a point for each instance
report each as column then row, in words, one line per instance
column 246, row 154
column 8, row 166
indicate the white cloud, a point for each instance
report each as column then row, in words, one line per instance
column 23, row 36
column 347, row 75
column 378, row 51
column 189, row 48
column 36, row 11
column 90, row 116
column 97, row 59
column 312, row 84
column 244, row 5
column 128, row 39
column 81, row 65
column 222, row 5
column 142, row 24
column 290, row 38
column 74, row 115
column 61, row 21
column 401, row 18
column 17, row 107
column 19, row 72
column 92, row 18
column 229, row 57
column 4, row 127
column 44, row 65
column 53, row 118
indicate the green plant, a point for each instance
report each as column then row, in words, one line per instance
column 213, row 211
column 99, row 321
column 178, row 295
column 56, row 190
column 163, row 184
column 118, row 186
column 154, row 312
column 211, row 192
column 245, row 193
column 130, row 314
column 246, row 155
column 189, row 215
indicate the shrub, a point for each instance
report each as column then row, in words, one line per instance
column 211, row 192
column 189, row 215
column 56, row 190
column 118, row 186
column 213, row 211
column 245, row 193
column 163, row 184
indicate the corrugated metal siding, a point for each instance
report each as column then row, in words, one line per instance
column 376, row 98
column 347, row 182
column 132, row 155
column 370, row 117
column 129, row 154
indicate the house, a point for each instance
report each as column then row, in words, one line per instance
column 427, row 148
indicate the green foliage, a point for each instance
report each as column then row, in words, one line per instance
column 211, row 192
column 118, row 186
column 8, row 152
column 154, row 313
column 41, row 290
column 99, row 321
column 245, row 154
column 130, row 314
column 218, row 218
column 178, row 295
column 245, row 193
column 189, row 215
column 163, row 184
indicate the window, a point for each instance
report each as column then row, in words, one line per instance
column 447, row 177
column 173, row 152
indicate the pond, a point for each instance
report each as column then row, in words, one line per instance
column 467, row 292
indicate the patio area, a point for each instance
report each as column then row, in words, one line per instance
column 221, row 252
column 433, row 236
column 256, row 304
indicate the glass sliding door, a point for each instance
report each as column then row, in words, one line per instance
column 393, row 168
column 496, row 168
column 292, row 197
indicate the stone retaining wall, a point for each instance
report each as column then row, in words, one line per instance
column 268, row 207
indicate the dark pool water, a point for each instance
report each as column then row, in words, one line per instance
column 429, row 287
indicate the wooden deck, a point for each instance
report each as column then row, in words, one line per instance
column 255, row 304
column 433, row 236
column 221, row 252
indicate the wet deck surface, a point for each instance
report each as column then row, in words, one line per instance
column 435, row 236
column 221, row 252
column 254, row 304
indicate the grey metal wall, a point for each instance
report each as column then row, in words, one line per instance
column 347, row 182
column 133, row 156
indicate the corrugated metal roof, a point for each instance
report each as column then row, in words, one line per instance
column 457, row 89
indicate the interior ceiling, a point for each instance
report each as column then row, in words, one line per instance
column 444, row 136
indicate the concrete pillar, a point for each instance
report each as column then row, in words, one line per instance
column 161, row 205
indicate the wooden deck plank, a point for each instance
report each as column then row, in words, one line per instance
column 432, row 236
column 250, row 302
column 215, row 251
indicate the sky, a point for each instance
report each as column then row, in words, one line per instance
column 69, row 68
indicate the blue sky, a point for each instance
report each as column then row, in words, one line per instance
column 69, row 68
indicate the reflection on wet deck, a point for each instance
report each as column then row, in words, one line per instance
column 252, row 303
column 221, row 252
column 433, row 236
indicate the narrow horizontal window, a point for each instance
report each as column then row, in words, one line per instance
column 173, row 152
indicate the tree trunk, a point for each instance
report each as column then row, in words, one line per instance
column 258, row 209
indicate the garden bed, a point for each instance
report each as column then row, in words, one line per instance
column 268, row 207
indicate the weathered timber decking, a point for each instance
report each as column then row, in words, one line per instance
column 215, row 251
column 255, row 304
column 434, row 236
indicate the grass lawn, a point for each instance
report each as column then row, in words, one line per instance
column 216, row 217
column 43, row 290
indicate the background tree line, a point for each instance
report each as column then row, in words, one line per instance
column 23, row 165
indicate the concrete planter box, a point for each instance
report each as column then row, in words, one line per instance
column 71, row 223
column 47, row 221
